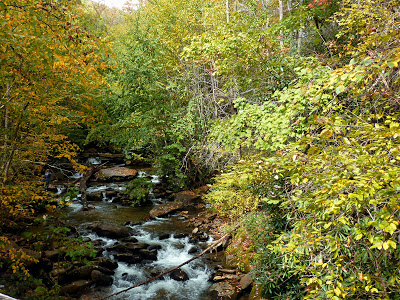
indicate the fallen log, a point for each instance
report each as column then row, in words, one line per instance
column 210, row 248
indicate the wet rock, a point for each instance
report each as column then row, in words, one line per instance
column 58, row 274
column 115, row 174
column 245, row 281
column 99, row 251
column 203, row 237
column 56, row 254
column 128, row 258
column 164, row 237
column 193, row 239
column 179, row 275
column 110, row 194
column 106, row 263
column 98, row 243
column 128, row 247
column 180, row 235
column 166, row 208
column 95, row 196
column 79, row 273
column 187, row 197
column 101, row 279
column 130, row 239
column 76, row 288
column 104, row 270
column 117, row 199
column 130, row 223
column 196, row 230
column 147, row 254
column 155, row 247
column 111, row 231
column 193, row 250
column 223, row 291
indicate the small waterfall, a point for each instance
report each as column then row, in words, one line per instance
column 93, row 161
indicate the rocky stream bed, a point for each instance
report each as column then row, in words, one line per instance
column 135, row 244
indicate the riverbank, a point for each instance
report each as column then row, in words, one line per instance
column 69, row 258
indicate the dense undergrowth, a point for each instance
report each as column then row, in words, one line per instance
column 322, row 211
column 293, row 105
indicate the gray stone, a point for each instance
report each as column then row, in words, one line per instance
column 101, row 279
column 106, row 263
column 128, row 258
column 223, row 291
column 179, row 275
column 116, row 174
column 76, row 288
column 133, row 248
column 147, row 254
column 245, row 281
column 166, row 208
column 111, row 231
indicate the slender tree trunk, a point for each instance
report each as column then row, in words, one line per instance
column 280, row 19
column 299, row 36
column 5, row 132
column 227, row 11
column 7, row 163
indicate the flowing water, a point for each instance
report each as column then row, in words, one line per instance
column 169, row 235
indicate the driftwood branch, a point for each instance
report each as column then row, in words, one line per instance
column 47, row 164
column 210, row 248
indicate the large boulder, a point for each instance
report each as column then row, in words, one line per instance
column 128, row 247
column 245, row 281
column 80, row 273
column 77, row 287
column 179, row 275
column 95, row 196
column 101, row 279
column 115, row 174
column 148, row 254
column 166, row 208
column 128, row 258
column 223, row 291
column 106, row 263
column 187, row 197
column 111, row 231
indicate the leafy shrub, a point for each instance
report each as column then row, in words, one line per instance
column 138, row 190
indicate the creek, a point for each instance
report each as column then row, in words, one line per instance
column 169, row 235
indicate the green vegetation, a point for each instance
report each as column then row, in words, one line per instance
column 292, row 105
column 138, row 190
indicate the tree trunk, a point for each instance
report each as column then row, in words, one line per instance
column 83, row 185
column 5, row 132
column 299, row 36
column 227, row 11
column 7, row 163
column 280, row 19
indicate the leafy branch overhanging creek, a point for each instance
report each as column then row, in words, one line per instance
column 287, row 110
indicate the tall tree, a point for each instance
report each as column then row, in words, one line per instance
column 49, row 77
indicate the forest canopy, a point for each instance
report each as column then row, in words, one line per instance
column 289, row 109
